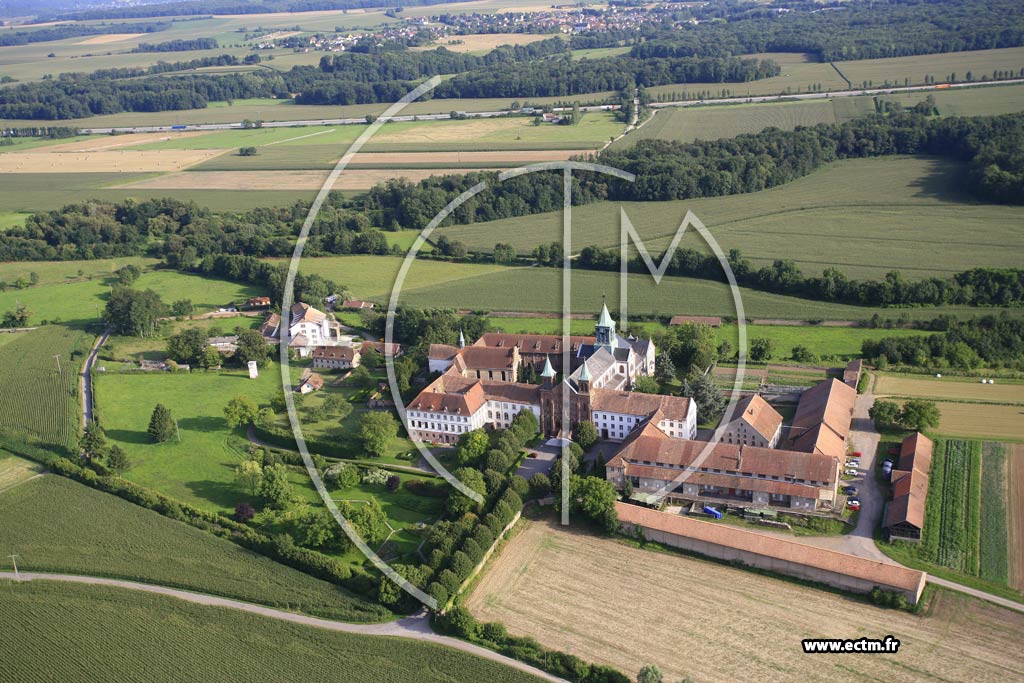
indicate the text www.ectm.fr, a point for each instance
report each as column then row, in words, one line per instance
column 868, row 645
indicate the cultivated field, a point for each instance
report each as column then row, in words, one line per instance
column 988, row 101
column 991, row 421
column 36, row 400
column 113, row 161
column 140, row 636
column 583, row 594
column 14, row 471
column 710, row 123
column 995, row 515
column 842, row 216
column 951, row 388
column 1015, row 513
column 281, row 180
column 58, row 525
column 484, row 42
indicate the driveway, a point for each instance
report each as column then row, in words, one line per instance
column 540, row 461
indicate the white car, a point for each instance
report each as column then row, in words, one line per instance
column 853, row 463
column 852, row 471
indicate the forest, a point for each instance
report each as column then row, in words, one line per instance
column 49, row 33
column 178, row 45
column 992, row 341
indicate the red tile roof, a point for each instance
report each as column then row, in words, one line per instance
column 532, row 343
column 872, row 571
column 637, row 403
column 347, row 353
column 823, row 418
column 764, row 419
column 910, row 483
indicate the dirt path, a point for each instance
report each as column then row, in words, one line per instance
column 1015, row 512
column 416, row 627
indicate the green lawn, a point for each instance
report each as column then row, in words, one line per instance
column 835, row 342
column 200, row 468
column 12, row 219
column 81, row 302
column 155, row 348
column 863, row 216
column 58, row 525
column 61, row 272
column 135, row 636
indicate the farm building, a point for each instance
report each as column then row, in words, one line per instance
column 754, row 422
column 783, row 556
column 904, row 515
column 336, row 357
column 852, row 372
column 386, row 350
column 357, row 305
column 309, row 383
column 258, row 302
column 653, row 461
column 710, row 321
column 308, row 329
column 823, row 418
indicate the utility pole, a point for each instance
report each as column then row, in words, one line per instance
column 177, row 431
column 14, row 560
column 57, row 356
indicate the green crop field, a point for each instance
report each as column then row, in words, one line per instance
column 994, row 538
column 709, row 123
column 37, row 400
column 983, row 101
column 58, row 525
column 15, row 470
column 137, row 636
column 599, row 52
column 841, row 216
column 81, row 302
column 199, row 469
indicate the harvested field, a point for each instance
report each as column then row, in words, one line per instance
column 405, row 159
column 486, row 41
column 290, row 180
column 959, row 389
column 1015, row 512
column 15, row 470
column 989, row 421
column 123, row 161
column 109, row 38
column 559, row 586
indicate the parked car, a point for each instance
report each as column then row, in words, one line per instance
column 853, row 463
column 887, row 468
column 853, row 504
column 850, row 490
column 856, row 454
column 852, row 471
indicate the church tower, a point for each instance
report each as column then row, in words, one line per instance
column 548, row 374
column 604, row 331
column 462, row 340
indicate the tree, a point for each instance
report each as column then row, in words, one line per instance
column 132, row 312
column 188, row 346
column 920, row 415
column 337, row 406
column 252, row 347
column 117, row 460
column 708, row 396
column 885, row 413
column 376, row 430
column 244, row 512
column 471, row 447
column 182, row 307
column 249, row 474
column 761, row 349
column 595, row 498
column 211, row 358
column 247, row 152
column 646, row 385
column 275, row 488
column 504, row 253
column 92, row 443
column 17, row 318
column 802, row 354
column 343, row 475
column 459, row 503
column 127, row 275
column 585, row 434
column 361, row 378
column 240, row 411
column 664, row 368
column 540, row 485
column 162, row 427
column 650, row 674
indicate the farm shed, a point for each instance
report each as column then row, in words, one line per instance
column 847, row 572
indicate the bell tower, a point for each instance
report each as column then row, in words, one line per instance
column 604, row 331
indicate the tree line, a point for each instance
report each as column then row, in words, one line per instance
column 49, row 33
column 179, row 45
column 989, row 341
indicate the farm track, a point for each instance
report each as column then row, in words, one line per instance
column 416, row 627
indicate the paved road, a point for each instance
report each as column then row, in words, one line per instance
column 86, row 381
column 981, row 595
column 416, row 627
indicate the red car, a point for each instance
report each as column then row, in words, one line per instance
column 853, row 504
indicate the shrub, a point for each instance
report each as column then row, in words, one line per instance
column 392, row 482
column 244, row 512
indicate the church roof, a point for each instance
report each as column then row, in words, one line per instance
column 548, row 371
column 606, row 319
column 584, row 374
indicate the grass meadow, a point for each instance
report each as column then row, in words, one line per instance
column 136, row 636
column 994, row 561
column 865, row 217
column 62, row 272
column 81, row 302
column 37, row 400
column 58, row 525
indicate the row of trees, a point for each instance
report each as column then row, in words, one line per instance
column 178, row 45
column 990, row 341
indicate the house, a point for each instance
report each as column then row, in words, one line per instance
column 258, row 302
column 823, row 418
column 308, row 329
column 754, row 422
column 309, row 383
column 271, row 328
column 227, row 344
column 358, row 305
column 336, row 357
column 904, row 515
column 685, row 470
column 452, row 405
column 386, row 350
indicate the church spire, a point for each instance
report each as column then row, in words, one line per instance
column 462, row 340
column 548, row 371
column 604, row 331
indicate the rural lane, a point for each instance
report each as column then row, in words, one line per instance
column 416, row 627
column 603, row 107
column 86, row 378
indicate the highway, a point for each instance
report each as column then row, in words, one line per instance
column 603, row 107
